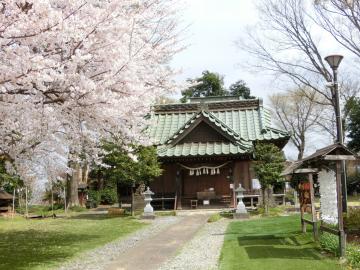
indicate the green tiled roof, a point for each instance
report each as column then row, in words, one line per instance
column 203, row 149
column 243, row 121
column 249, row 123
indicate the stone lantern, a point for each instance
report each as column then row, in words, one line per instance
column 148, row 210
column 240, row 212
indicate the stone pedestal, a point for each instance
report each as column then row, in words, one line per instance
column 143, row 216
column 241, row 215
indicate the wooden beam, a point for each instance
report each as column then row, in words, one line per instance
column 313, row 212
column 306, row 170
column 339, row 157
column 309, row 221
column 303, row 225
column 330, row 230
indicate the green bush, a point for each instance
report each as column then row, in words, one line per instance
column 227, row 214
column 108, row 196
column 214, row 217
column 94, row 196
column 353, row 256
column 352, row 220
column 329, row 243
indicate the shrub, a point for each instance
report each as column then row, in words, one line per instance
column 353, row 183
column 352, row 220
column 329, row 243
column 108, row 196
column 94, row 196
column 227, row 214
column 353, row 256
column 214, row 217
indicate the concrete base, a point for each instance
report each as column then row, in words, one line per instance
column 147, row 216
column 241, row 215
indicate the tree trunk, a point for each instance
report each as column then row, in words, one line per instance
column 100, row 182
column 85, row 173
column 301, row 153
column 301, row 147
column 262, row 197
column 265, row 201
column 118, row 192
column 73, row 185
column 268, row 199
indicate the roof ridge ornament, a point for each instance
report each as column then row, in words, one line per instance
column 203, row 106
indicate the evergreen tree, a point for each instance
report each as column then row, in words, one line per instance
column 352, row 109
column 240, row 88
column 126, row 169
column 209, row 84
column 268, row 167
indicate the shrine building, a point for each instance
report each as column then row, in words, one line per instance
column 206, row 148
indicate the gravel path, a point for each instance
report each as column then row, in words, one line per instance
column 100, row 258
column 203, row 251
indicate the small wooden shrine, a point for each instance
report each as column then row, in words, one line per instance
column 325, row 164
column 5, row 201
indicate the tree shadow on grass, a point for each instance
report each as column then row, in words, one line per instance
column 271, row 240
column 270, row 252
column 31, row 248
column 275, row 246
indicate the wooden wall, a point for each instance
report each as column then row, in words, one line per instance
column 203, row 133
column 193, row 183
column 166, row 183
column 243, row 174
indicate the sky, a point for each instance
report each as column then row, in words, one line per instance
column 213, row 30
column 214, row 27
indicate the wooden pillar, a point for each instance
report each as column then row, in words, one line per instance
column 235, row 181
column 342, row 237
column 303, row 224
column 313, row 210
column 178, row 189
column 302, row 211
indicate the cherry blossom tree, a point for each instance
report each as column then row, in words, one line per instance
column 75, row 72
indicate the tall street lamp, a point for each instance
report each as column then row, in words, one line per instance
column 334, row 62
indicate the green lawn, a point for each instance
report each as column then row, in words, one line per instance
column 271, row 243
column 43, row 244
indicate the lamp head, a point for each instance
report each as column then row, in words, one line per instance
column 334, row 60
